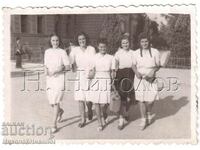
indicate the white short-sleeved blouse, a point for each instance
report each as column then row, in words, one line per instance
column 55, row 58
column 147, row 62
column 104, row 62
column 124, row 58
column 82, row 58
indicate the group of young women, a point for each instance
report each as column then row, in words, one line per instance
column 132, row 72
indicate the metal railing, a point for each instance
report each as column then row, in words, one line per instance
column 177, row 62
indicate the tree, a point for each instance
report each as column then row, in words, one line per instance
column 177, row 34
column 115, row 25
column 113, row 28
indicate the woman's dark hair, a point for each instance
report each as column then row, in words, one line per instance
column 144, row 36
column 123, row 37
column 60, row 42
column 18, row 38
column 86, row 37
column 102, row 41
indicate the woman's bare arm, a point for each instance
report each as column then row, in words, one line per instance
column 136, row 72
column 45, row 71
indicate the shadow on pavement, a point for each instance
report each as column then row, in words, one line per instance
column 71, row 123
column 162, row 108
column 168, row 106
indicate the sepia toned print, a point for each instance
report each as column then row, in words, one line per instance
column 123, row 74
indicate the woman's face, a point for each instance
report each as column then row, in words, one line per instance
column 54, row 41
column 102, row 48
column 125, row 44
column 18, row 41
column 81, row 40
column 144, row 43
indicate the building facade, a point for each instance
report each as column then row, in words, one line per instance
column 34, row 30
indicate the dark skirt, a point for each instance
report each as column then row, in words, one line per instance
column 124, row 84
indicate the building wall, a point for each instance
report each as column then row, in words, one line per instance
column 91, row 24
column 33, row 41
column 35, row 30
column 67, row 26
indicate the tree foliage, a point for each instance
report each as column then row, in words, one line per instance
column 174, row 36
column 177, row 34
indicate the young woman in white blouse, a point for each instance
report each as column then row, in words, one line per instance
column 124, row 79
column 81, row 60
column 55, row 62
column 100, row 90
column 146, row 64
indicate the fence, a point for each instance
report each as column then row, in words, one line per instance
column 173, row 62
column 177, row 62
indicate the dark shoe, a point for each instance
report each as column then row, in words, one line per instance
column 81, row 125
column 126, row 118
column 120, row 127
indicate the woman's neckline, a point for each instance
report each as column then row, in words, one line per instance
column 83, row 48
column 125, row 50
column 145, row 49
column 102, row 54
column 55, row 48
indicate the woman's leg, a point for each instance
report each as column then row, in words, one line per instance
column 55, row 114
column 104, row 113
column 127, row 106
column 60, row 113
column 149, row 106
column 149, row 113
column 143, row 111
column 82, row 113
column 98, row 112
column 90, row 112
column 122, row 114
column 104, row 108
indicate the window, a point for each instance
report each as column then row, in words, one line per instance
column 24, row 23
column 39, row 24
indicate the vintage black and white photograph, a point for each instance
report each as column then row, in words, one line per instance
column 101, row 76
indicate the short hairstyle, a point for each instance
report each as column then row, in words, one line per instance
column 102, row 41
column 124, row 37
column 18, row 38
column 86, row 37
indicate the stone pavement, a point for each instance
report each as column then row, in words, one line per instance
column 171, row 122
